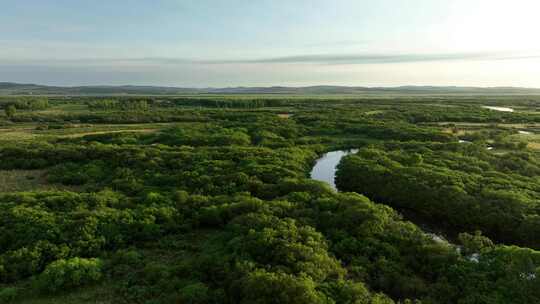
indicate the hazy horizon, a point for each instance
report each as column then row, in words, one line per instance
column 269, row 86
column 271, row 43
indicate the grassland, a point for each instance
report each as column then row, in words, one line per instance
column 27, row 180
column 22, row 180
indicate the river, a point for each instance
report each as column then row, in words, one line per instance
column 325, row 171
column 325, row 168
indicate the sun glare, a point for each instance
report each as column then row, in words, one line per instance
column 495, row 25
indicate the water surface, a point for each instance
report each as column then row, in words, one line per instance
column 325, row 168
column 500, row 109
column 325, row 171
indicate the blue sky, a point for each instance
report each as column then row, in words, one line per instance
column 232, row 43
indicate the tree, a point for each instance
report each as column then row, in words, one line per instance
column 264, row 287
column 38, row 104
column 474, row 243
column 194, row 293
column 65, row 274
column 10, row 111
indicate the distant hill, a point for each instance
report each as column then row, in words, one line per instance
column 7, row 88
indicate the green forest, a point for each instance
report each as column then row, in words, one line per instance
column 209, row 199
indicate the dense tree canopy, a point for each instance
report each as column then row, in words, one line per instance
column 209, row 200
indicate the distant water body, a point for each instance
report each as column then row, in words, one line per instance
column 500, row 109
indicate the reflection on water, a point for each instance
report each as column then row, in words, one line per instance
column 325, row 168
column 501, row 109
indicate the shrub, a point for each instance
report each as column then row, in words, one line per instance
column 127, row 257
column 67, row 274
column 263, row 287
column 194, row 294
column 8, row 294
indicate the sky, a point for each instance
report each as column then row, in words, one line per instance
column 223, row 43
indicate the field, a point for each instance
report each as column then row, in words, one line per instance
column 208, row 199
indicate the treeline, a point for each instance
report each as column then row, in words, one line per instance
column 11, row 106
column 25, row 103
column 461, row 185
column 114, row 117
column 230, row 103
column 163, row 102
column 422, row 113
column 124, row 104
column 155, row 115
column 357, row 124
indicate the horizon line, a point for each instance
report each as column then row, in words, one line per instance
column 268, row 86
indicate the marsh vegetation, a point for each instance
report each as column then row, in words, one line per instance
column 211, row 200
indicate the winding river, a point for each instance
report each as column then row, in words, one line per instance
column 325, row 168
column 325, row 171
